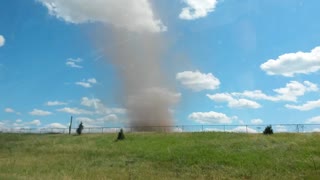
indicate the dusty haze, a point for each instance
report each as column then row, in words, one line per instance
column 136, row 52
column 147, row 98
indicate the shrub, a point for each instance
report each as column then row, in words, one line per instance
column 120, row 135
column 80, row 128
column 268, row 130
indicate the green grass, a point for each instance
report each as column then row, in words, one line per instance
column 160, row 156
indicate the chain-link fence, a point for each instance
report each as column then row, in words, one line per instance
column 277, row 128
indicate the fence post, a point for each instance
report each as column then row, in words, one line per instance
column 70, row 125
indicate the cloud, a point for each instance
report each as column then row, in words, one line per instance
column 75, row 111
column 77, row 60
column 85, row 120
column 74, row 63
column 290, row 92
column 85, row 101
column 84, row 84
column 314, row 120
column 98, row 122
column 38, row 112
column 305, row 107
column 19, row 123
column 221, row 97
column 256, row 94
column 197, row 9
column 280, row 128
column 316, row 130
column 243, row 129
column 294, row 63
column 295, row 89
column 234, row 103
column 244, row 103
column 87, row 83
column 3, row 125
column 256, row 121
column 99, row 107
column 9, row 110
column 136, row 15
column 35, row 122
column 56, row 125
column 55, row 103
column 198, row 81
column 109, row 118
column 2, row 41
column 211, row 118
column 92, row 80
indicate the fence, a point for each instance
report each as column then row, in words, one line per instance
column 277, row 128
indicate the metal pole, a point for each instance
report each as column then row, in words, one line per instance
column 70, row 125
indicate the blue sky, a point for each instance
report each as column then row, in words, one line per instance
column 228, row 61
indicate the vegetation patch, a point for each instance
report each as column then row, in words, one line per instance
column 160, row 156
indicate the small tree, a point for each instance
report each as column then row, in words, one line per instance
column 268, row 130
column 80, row 128
column 120, row 135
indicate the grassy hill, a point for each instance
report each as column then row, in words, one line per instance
column 160, row 156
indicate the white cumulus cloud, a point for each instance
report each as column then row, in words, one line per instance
column 93, row 102
column 255, row 94
column 2, row 41
column 295, row 89
column 35, row 122
column 314, row 120
column 244, row 103
column 92, row 80
column 74, row 63
column 87, row 83
column 109, row 118
column 84, row 84
column 243, row 129
column 55, row 103
column 280, row 128
column 76, row 111
column 39, row 112
column 294, row 63
column 211, row 118
column 290, row 92
column 56, row 125
column 232, row 102
column 221, row 97
column 99, row 107
column 305, row 107
column 85, row 120
column 132, row 15
column 197, row 9
column 198, row 81
column 9, row 110
column 316, row 130
column 256, row 121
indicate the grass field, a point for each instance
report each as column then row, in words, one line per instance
column 160, row 156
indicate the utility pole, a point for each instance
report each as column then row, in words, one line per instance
column 70, row 125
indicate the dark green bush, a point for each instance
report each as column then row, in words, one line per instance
column 120, row 135
column 80, row 128
column 268, row 130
